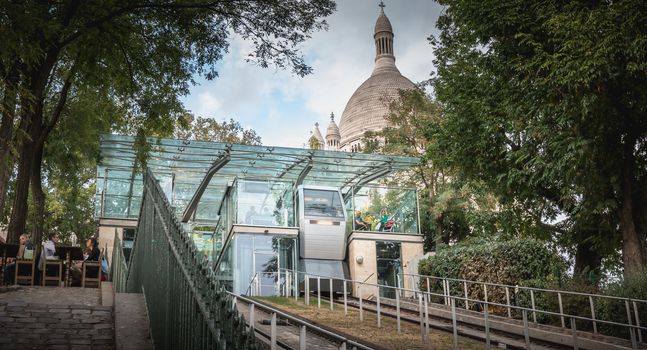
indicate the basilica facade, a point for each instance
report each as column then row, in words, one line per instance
column 367, row 108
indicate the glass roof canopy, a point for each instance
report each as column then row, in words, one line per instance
column 181, row 166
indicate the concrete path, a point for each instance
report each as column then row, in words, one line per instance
column 131, row 322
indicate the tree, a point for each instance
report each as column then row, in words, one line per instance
column 546, row 103
column 144, row 53
column 207, row 129
column 448, row 209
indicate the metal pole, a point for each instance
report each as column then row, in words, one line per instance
column 302, row 338
column 296, row 286
column 524, row 314
column 507, row 301
column 331, row 294
column 487, row 326
column 445, row 292
column 485, row 293
column 454, row 328
column 426, row 317
column 379, row 318
column 345, row 300
column 467, row 305
column 273, row 332
column 343, row 345
column 561, row 309
column 640, row 333
column 397, row 310
column 251, row 318
column 574, row 330
column 361, row 308
column 595, row 324
column 428, row 285
column 632, row 332
column 422, row 324
column 319, row 292
column 307, row 290
column 532, row 300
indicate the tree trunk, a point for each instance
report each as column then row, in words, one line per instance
column 633, row 242
column 18, row 222
column 38, row 195
column 588, row 262
column 6, row 131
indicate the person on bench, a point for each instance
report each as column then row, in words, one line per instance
column 10, row 269
column 92, row 253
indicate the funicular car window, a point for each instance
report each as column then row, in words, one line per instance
column 322, row 203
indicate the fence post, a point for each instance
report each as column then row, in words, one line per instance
column 445, row 291
column 532, row 301
column 273, row 331
column 378, row 309
column 595, row 324
column 454, row 328
column 426, row 316
column 421, row 315
column 507, row 301
column 561, row 309
column 574, row 330
column 467, row 305
column 345, row 300
column 307, row 289
column 251, row 318
column 302, row 338
column 331, row 302
column 397, row 310
column 361, row 309
column 487, row 326
column 632, row 332
column 296, row 286
column 526, row 336
column 640, row 333
column 319, row 292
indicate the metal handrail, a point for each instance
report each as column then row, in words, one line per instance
column 271, row 310
column 452, row 299
column 527, row 288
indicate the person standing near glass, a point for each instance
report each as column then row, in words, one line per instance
column 384, row 217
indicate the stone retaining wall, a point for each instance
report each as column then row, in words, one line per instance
column 47, row 326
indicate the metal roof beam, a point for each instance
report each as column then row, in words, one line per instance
column 217, row 165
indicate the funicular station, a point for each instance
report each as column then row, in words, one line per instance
column 202, row 229
column 253, row 210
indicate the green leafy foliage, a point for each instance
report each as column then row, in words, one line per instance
column 544, row 103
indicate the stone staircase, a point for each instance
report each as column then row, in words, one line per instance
column 72, row 319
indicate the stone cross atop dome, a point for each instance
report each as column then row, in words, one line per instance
column 383, row 36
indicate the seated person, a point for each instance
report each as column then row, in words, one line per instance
column 49, row 250
column 92, row 253
column 359, row 223
column 10, row 269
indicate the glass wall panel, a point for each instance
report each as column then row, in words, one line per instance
column 261, row 256
column 264, row 203
column 389, row 267
column 385, row 209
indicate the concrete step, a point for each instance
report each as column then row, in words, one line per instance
column 132, row 328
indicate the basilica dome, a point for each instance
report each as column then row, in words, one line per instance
column 369, row 105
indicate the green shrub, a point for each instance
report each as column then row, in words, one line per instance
column 634, row 287
column 523, row 262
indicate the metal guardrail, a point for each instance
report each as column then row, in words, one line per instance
column 118, row 266
column 187, row 307
column 512, row 295
column 287, row 282
column 303, row 325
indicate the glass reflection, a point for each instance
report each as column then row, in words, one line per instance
column 385, row 209
column 264, row 203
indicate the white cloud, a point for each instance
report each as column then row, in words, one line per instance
column 282, row 107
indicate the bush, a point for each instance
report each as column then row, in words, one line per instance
column 634, row 287
column 523, row 262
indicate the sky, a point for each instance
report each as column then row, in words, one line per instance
column 282, row 107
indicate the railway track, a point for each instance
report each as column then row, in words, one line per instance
column 503, row 332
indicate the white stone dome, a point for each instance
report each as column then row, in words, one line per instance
column 369, row 105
